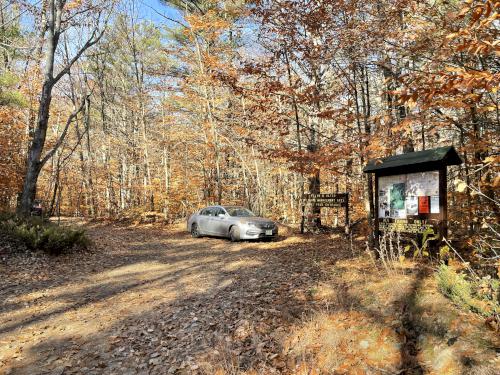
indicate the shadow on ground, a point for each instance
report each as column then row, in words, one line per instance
column 160, row 301
column 156, row 301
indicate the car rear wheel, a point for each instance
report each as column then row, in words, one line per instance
column 234, row 234
column 195, row 233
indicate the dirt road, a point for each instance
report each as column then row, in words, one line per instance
column 149, row 300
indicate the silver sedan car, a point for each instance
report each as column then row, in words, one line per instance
column 234, row 222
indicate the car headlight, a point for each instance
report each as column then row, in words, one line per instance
column 252, row 224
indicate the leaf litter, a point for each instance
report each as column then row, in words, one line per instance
column 152, row 300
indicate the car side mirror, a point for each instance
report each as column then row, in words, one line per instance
column 222, row 215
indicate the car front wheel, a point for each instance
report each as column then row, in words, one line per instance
column 195, row 233
column 234, row 234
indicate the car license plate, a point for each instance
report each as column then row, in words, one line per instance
column 269, row 232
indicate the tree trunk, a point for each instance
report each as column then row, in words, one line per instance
column 53, row 25
column 34, row 165
column 369, row 180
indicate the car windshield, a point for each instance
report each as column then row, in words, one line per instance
column 239, row 211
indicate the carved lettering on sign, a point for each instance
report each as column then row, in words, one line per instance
column 326, row 200
column 406, row 226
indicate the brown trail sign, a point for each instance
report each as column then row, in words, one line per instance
column 327, row 200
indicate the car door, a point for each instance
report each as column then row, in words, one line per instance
column 204, row 220
column 219, row 223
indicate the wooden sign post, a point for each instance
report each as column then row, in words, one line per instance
column 327, row 200
column 411, row 192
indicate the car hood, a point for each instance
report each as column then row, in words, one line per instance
column 255, row 219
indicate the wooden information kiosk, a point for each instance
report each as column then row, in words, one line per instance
column 411, row 191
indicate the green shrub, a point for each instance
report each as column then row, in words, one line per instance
column 467, row 294
column 39, row 235
column 454, row 285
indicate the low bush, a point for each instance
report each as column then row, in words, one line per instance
column 40, row 235
column 480, row 296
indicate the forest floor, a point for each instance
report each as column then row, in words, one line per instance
column 153, row 300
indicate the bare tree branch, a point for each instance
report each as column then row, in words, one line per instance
column 60, row 140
